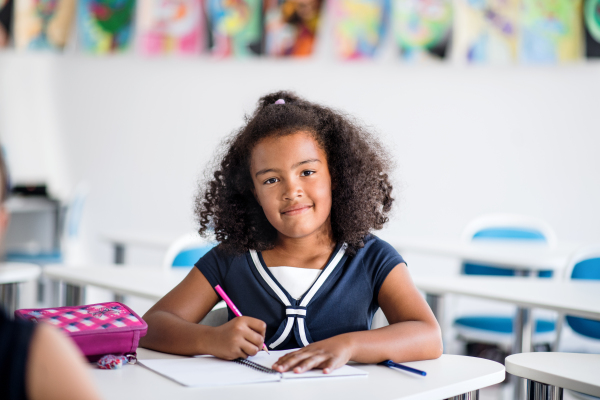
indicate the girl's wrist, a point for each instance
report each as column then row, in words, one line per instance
column 205, row 342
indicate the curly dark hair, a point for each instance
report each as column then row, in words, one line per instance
column 361, row 190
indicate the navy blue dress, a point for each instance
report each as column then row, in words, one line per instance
column 342, row 299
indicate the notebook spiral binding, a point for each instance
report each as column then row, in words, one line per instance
column 255, row 366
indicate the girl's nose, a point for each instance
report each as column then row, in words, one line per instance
column 292, row 190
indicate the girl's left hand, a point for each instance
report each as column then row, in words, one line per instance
column 327, row 355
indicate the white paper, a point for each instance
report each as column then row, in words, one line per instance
column 212, row 371
column 267, row 360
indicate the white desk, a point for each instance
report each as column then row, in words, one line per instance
column 551, row 372
column 524, row 257
column 578, row 298
column 11, row 275
column 147, row 282
column 447, row 377
column 122, row 239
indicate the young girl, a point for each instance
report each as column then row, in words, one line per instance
column 299, row 189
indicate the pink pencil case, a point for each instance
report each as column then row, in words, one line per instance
column 98, row 329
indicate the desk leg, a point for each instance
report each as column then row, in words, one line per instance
column 119, row 253
column 542, row 391
column 9, row 297
column 119, row 260
column 474, row 395
column 74, row 295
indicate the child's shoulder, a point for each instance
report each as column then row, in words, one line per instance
column 220, row 258
column 377, row 251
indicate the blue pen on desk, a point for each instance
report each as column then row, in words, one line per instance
column 391, row 364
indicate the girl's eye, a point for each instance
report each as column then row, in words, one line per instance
column 307, row 173
column 270, row 181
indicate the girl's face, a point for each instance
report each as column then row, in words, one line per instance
column 292, row 184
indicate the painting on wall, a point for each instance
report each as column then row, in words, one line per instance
column 235, row 27
column 422, row 28
column 170, row 26
column 43, row 24
column 359, row 26
column 591, row 13
column 486, row 31
column 105, row 26
column 291, row 26
column 6, row 15
column 551, row 31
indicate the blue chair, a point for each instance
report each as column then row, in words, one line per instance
column 186, row 251
column 497, row 328
column 584, row 265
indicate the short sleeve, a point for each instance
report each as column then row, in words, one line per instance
column 15, row 340
column 379, row 259
column 214, row 265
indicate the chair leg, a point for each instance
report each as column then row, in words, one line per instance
column 542, row 391
column 474, row 395
column 9, row 297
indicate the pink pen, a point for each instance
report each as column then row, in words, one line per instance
column 233, row 307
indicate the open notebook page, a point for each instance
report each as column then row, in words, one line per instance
column 211, row 371
column 267, row 360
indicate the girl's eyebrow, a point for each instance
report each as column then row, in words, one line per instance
column 264, row 171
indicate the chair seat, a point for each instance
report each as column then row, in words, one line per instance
column 188, row 258
column 500, row 324
column 586, row 327
column 40, row 259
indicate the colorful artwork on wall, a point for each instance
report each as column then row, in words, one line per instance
column 359, row 26
column 486, row 31
column 591, row 13
column 235, row 27
column 551, row 31
column 105, row 26
column 6, row 16
column 43, row 24
column 170, row 26
column 291, row 26
column 422, row 27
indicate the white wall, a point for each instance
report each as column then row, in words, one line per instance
column 467, row 140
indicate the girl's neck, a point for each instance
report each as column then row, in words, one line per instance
column 312, row 251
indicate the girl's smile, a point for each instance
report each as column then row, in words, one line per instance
column 292, row 184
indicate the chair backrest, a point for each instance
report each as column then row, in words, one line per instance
column 585, row 264
column 505, row 227
column 74, row 212
column 187, row 250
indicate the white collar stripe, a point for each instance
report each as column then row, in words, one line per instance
column 288, row 327
column 290, row 311
column 268, row 279
column 324, row 275
column 302, row 331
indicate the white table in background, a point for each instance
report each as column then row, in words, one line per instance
column 11, row 275
column 148, row 282
column 523, row 257
column 450, row 376
column 579, row 298
column 121, row 240
column 551, row 372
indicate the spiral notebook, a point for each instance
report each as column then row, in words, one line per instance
column 212, row 371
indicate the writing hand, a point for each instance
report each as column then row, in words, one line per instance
column 327, row 355
column 240, row 337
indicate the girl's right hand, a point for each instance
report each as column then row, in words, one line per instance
column 240, row 337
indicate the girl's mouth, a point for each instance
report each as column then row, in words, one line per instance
column 295, row 210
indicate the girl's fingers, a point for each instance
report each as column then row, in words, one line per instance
column 254, row 338
column 249, row 349
column 310, row 363
column 331, row 364
column 291, row 359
